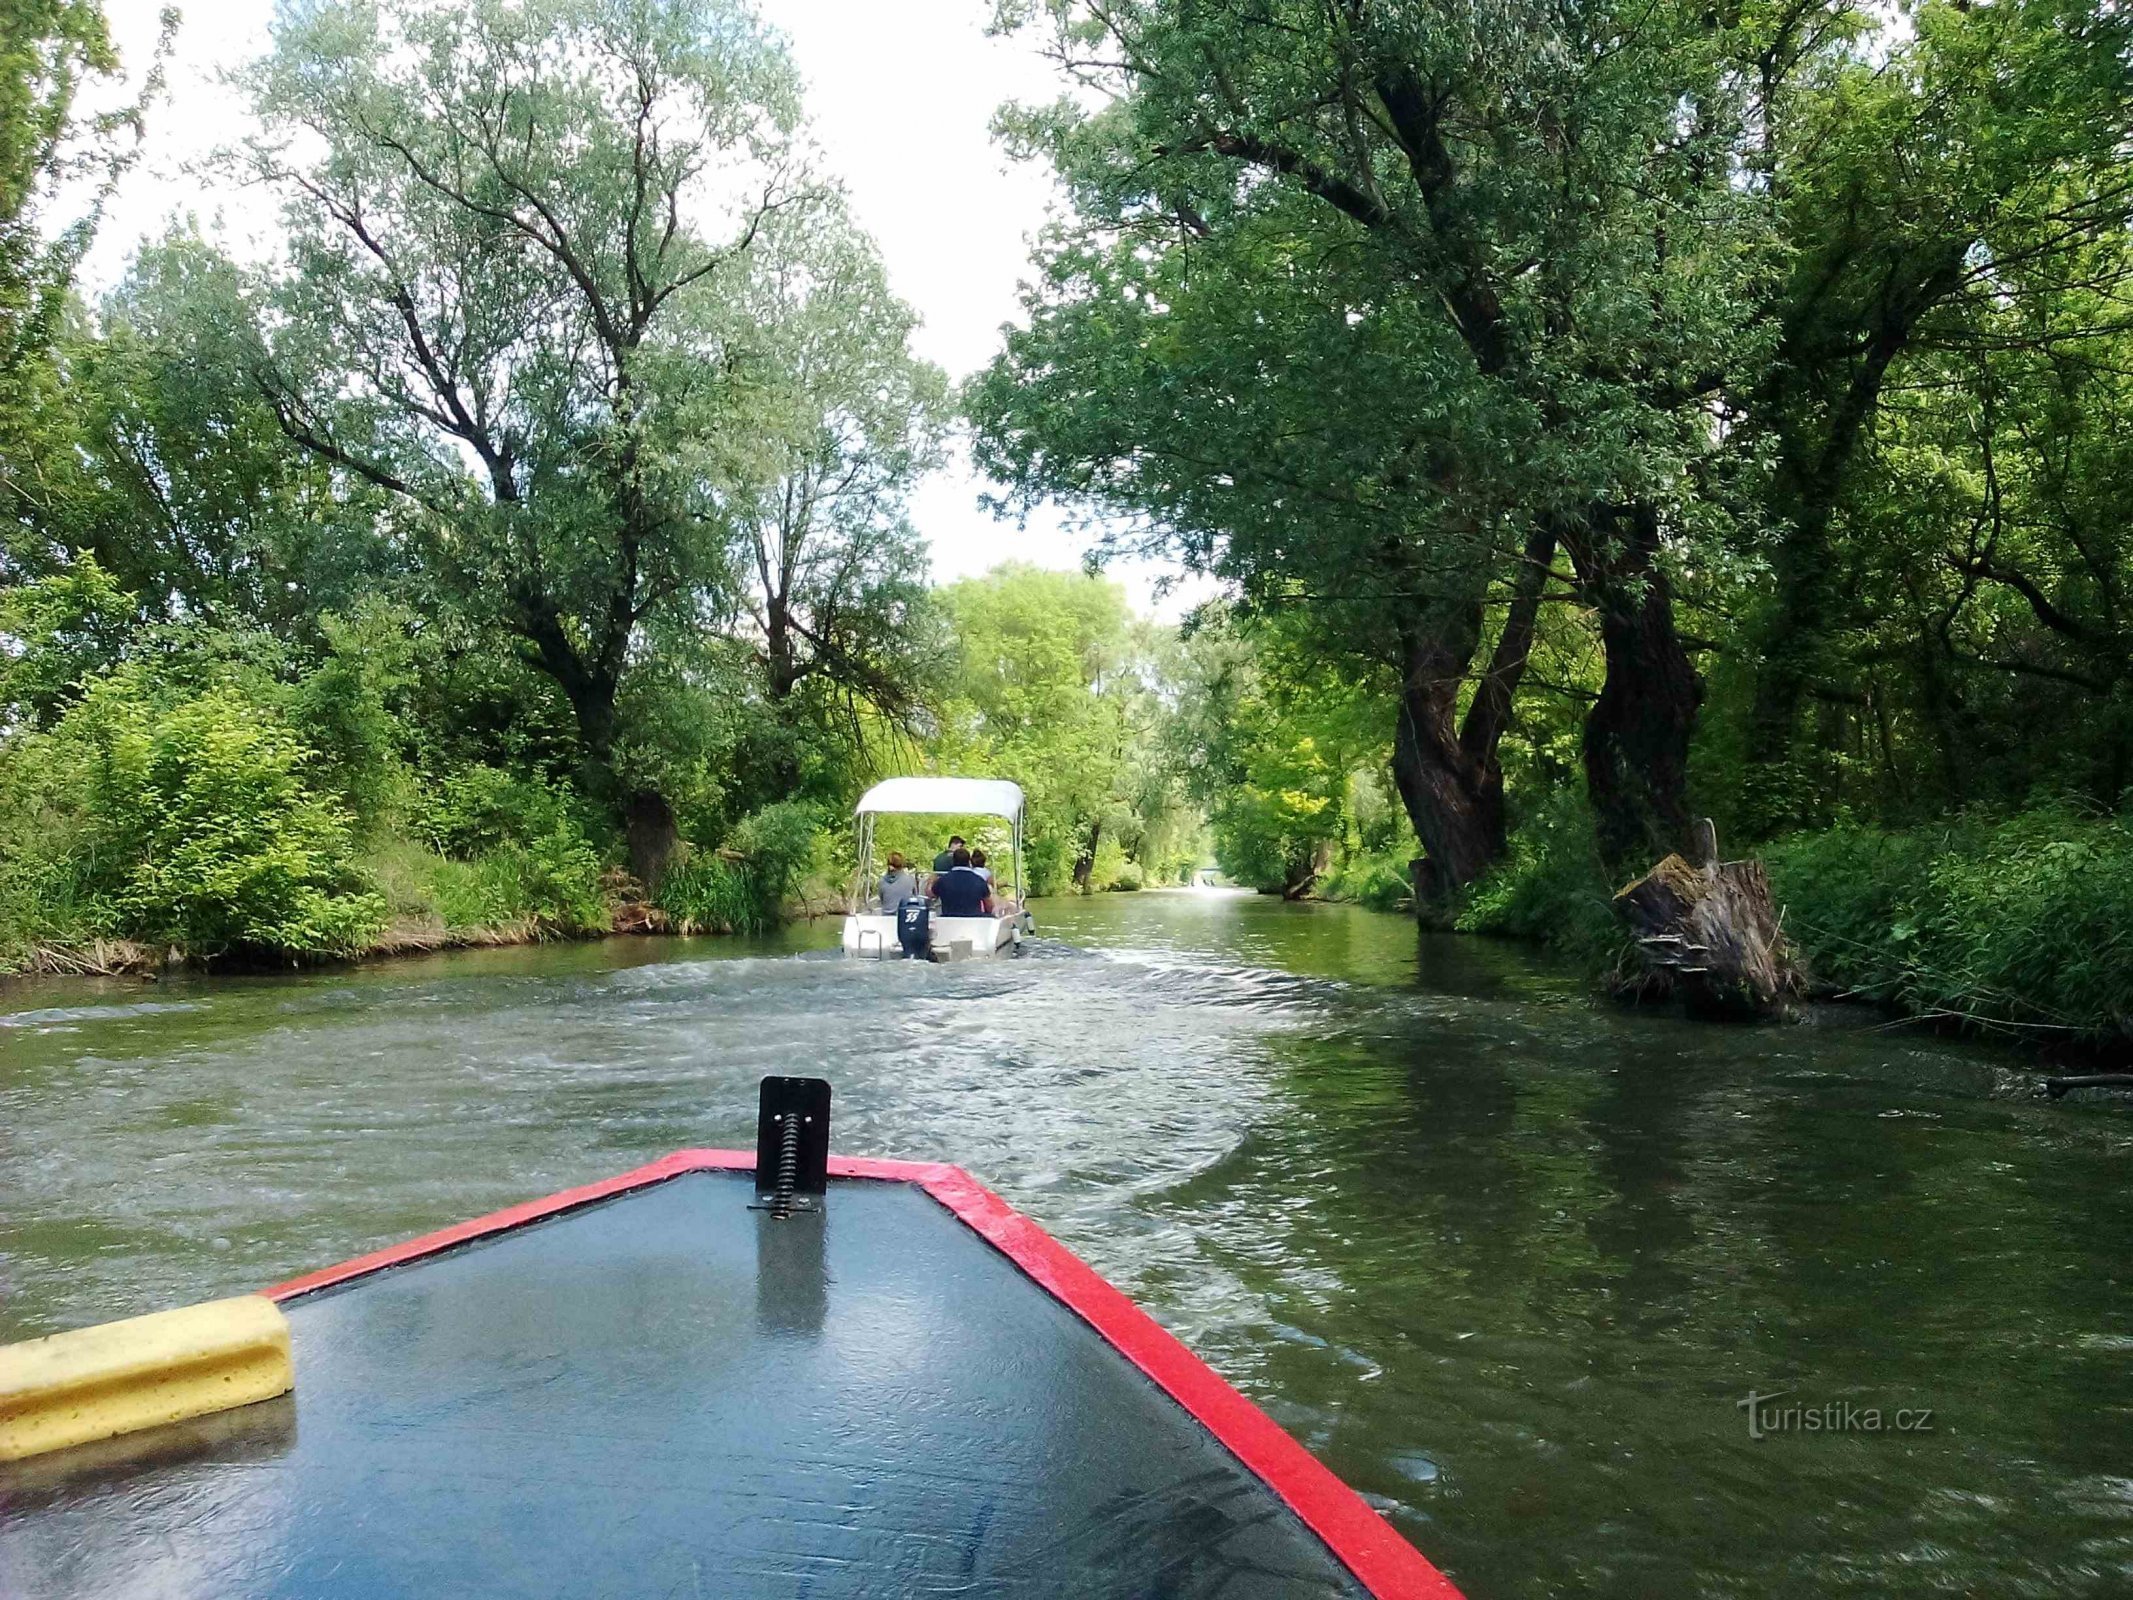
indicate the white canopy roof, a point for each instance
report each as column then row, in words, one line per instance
column 952, row 797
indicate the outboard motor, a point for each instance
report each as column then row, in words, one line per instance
column 914, row 928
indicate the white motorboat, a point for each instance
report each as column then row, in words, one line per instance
column 878, row 932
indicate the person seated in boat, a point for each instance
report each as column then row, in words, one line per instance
column 961, row 891
column 946, row 859
column 898, row 884
column 977, row 865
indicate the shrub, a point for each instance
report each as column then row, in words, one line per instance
column 197, row 827
column 1376, row 879
column 1847, row 896
column 708, row 893
column 2024, row 924
column 339, row 709
column 553, row 882
column 745, row 885
column 1551, row 887
column 1129, row 877
column 483, row 807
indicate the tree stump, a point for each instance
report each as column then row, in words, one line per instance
column 1710, row 936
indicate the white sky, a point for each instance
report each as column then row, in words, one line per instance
column 901, row 94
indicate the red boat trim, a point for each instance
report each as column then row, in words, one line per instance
column 1386, row 1564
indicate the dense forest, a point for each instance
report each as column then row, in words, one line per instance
column 1598, row 420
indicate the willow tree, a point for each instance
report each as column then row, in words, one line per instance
column 58, row 160
column 523, row 239
column 1251, row 400
column 1420, row 295
column 830, row 573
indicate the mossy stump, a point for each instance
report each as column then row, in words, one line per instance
column 1709, row 935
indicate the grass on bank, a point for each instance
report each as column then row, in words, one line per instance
column 2022, row 924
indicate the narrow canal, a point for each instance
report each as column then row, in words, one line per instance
column 1509, row 1262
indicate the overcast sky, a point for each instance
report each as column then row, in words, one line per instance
column 901, row 94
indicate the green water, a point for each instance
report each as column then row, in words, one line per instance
column 1507, row 1261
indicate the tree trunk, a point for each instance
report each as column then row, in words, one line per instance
column 650, row 828
column 1824, row 390
column 1302, row 876
column 654, row 835
column 1085, row 862
column 1795, row 641
column 781, row 665
column 1452, row 784
column 1636, row 743
column 1454, row 800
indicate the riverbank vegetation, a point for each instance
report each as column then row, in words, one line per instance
column 1665, row 412
column 1596, row 423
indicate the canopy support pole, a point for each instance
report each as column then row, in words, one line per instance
column 862, row 885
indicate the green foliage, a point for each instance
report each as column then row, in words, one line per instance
column 188, row 821
column 552, row 881
column 343, row 709
column 745, row 886
column 1380, row 880
column 2024, row 924
column 480, row 809
column 1283, row 748
column 56, row 634
column 1847, row 895
column 50, row 50
column 1551, row 888
column 643, row 401
column 1057, row 690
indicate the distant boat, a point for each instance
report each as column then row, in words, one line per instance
column 741, row 1374
column 917, row 928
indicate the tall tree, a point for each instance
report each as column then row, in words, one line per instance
column 831, row 573
column 54, row 151
column 1050, row 692
column 186, row 490
column 521, row 239
column 1919, row 181
column 1534, row 210
column 1142, row 387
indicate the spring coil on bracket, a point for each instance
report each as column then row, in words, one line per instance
column 792, row 1146
column 788, row 1165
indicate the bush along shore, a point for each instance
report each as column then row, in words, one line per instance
column 380, row 781
column 2016, row 927
column 218, row 799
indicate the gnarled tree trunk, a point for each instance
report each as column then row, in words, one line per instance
column 1450, row 776
column 1636, row 742
column 1455, row 804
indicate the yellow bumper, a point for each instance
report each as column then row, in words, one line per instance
column 71, row 1388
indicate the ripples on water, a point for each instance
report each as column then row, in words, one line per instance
column 1505, row 1259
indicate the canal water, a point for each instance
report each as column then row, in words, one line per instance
column 1510, row 1262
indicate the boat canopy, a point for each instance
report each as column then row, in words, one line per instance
column 950, row 797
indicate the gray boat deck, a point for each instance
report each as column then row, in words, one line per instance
column 668, row 1394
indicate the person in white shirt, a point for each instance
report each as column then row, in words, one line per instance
column 977, row 865
column 897, row 884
